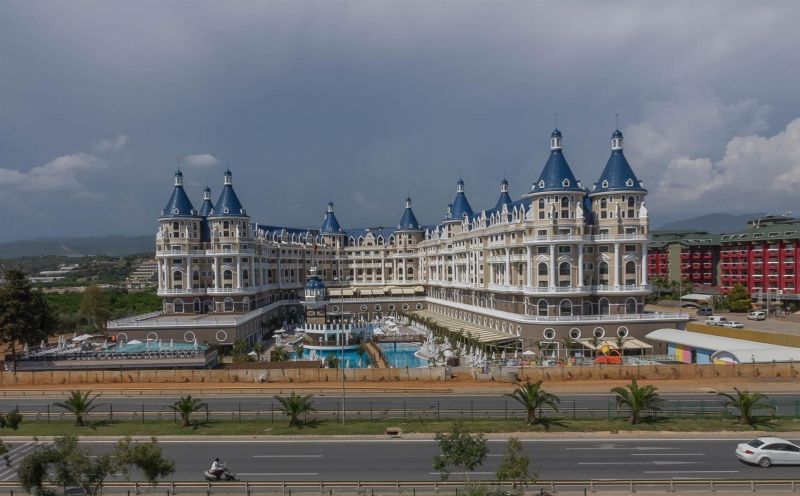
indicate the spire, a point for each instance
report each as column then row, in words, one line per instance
column 409, row 221
column 556, row 174
column 228, row 204
column 617, row 174
column 178, row 204
column 460, row 205
column 330, row 225
column 207, row 206
column 504, row 199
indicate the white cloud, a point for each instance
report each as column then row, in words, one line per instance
column 755, row 172
column 64, row 172
column 116, row 143
column 200, row 161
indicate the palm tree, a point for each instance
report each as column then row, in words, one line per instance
column 278, row 355
column 747, row 403
column 638, row 399
column 185, row 407
column 620, row 343
column 298, row 351
column 259, row 349
column 79, row 404
column 533, row 397
column 295, row 405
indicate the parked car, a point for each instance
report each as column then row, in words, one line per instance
column 705, row 312
column 766, row 451
column 733, row 324
column 757, row 315
column 715, row 320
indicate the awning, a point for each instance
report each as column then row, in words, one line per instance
column 408, row 291
column 365, row 292
column 396, row 291
column 334, row 292
column 419, row 289
column 378, row 292
column 347, row 292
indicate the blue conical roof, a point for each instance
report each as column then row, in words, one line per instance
column 460, row 205
column 228, row 204
column 178, row 204
column 504, row 199
column 207, row 206
column 314, row 282
column 617, row 174
column 409, row 221
column 330, row 225
column 556, row 175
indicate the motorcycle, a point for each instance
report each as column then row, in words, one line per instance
column 226, row 475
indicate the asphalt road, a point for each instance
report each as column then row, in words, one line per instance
column 584, row 404
column 399, row 459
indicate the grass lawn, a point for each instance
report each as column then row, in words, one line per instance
column 362, row 427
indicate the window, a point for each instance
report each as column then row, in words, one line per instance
column 630, row 306
column 549, row 333
column 622, row 332
column 228, row 304
column 565, row 249
column 599, row 332
column 542, row 269
column 542, row 250
column 575, row 333
column 542, row 308
column 603, row 306
column 565, row 308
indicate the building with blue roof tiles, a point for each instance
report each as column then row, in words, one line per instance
column 561, row 262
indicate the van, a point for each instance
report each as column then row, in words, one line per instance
column 757, row 315
column 705, row 312
column 715, row 320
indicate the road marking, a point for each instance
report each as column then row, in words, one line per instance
column 656, row 462
column 271, row 474
column 463, row 473
column 666, row 454
column 614, row 447
column 287, row 456
column 692, row 472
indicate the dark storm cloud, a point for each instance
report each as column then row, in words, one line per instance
column 364, row 102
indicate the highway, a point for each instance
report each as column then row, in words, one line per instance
column 400, row 459
column 585, row 404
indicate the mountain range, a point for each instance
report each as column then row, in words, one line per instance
column 713, row 223
column 116, row 245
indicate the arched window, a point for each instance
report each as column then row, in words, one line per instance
column 565, row 207
column 565, row 308
column 587, row 307
column 631, row 306
column 542, row 271
column 603, row 203
column 196, row 305
column 603, row 306
column 631, row 206
column 178, row 305
column 227, row 275
column 541, row 208
column 195, row 276
column 228, row 304
column 177, row 276
column 602, row 269
column 542, row 308
column 564, row 269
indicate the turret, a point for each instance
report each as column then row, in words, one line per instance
column 504, row 199
column 556, row 174
column 178, row 204
column 409, row 221
column 460, row 205
column 617, row 176
column 330, row 225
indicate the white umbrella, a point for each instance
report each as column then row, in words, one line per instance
column 134, row 341
column 82, row 337
column 280, row 331
column 528, row 353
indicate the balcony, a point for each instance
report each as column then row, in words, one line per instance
column 187, row 291
column 530, row 290
column 621, row 237
column 634, row 288
column 554, row 238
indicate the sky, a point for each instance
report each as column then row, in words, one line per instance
column 365, row 102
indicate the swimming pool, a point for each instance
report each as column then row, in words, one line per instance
column 153, row 346
column 351, row 360
column 399, row 355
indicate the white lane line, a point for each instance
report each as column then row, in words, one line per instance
column 463, row 473
column 656, row 462
column 269, row 474
column 692, row 472
column 395, row 441
column 638, row 448
column 287, row 456
column 666, row 454
column 7, row 473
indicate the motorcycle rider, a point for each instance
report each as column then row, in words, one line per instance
column 217, row 468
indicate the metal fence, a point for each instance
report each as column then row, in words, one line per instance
column 416, row 410
column 373, row 488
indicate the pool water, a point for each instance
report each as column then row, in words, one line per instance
column 400, row 355
column 142, row 347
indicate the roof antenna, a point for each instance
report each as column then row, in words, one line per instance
column 616, row 116
column 179, row 163
column 555, row 120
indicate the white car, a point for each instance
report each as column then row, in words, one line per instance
column 732, row 323
column 757, row 315
column 766, row 451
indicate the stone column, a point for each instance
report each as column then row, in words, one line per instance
column 238, row 272
column 530, row 266
column 616, row 264
column 580, row 265
column 507, row 275
column 644, row 264
column 553, row 266
column 188, row 272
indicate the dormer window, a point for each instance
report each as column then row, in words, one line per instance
column 605, row 184
column 175, row 211
column 565, row 183
column 629, row 183
column 541, row 183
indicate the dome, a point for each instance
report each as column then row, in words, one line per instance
column 555, row 134
column 617, row 134
column 314, row 283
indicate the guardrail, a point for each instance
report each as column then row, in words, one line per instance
column 542, row 487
